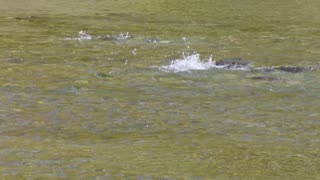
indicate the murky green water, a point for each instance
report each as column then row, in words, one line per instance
column 102, row 109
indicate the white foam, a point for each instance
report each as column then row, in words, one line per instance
column 194, row 62
column 85, row 36
column 123, row 36
column 190, row 62
column 82, row 36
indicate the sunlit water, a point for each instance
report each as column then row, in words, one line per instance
column 131, row 90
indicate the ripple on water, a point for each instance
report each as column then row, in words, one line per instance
column 85, row 36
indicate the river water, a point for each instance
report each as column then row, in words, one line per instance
column 125, row 89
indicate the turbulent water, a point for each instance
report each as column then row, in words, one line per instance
column 131, row 89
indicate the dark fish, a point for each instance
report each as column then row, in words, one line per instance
column 15, row 60
column 233, row 63
column 292, row 69
column 25, row 18
column 266, row 78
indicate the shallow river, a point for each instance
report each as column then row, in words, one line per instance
column 94, row 89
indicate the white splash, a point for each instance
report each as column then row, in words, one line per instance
column 194, row 62
column 134, row 52
column 190, row 62
column 82, row 36
column 123, row 36
column 85, row 36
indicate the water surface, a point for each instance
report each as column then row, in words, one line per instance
column 103, row 107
